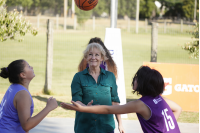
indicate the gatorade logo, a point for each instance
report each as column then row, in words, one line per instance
column 168, row 86
column 178, row 87
column 186, row 88
column 90, row 1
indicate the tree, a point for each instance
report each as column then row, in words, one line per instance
column 35, row 7
column 127, row 7
column 175, row 11
column 26, row 4
column 188, row 8
column 47, row 4
column 179, row 8
column 122, row 9
column 131, row 8
column 13, row 25
column 82, row 16
column 58, row 5
column 146, row 8
column 193, row 46
column 102, row 6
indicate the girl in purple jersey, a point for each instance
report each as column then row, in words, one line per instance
column 155, row 113
column 17, row 106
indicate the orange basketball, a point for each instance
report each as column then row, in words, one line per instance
column 86, row 4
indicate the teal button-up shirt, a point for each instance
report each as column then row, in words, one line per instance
column 84, row 88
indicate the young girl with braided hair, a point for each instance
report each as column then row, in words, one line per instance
column 17, row 106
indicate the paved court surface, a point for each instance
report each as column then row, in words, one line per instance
column 66, row 125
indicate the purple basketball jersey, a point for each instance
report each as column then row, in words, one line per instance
column 162, row 119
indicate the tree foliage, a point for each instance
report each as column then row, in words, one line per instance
column 188, row 9
column 13, row 25
column 127, row 7
column 175, row 10
column 131, row 8
column 146, row 8
column 193, row 46
column 122, row 7
column 102, row 6
column 180, row 8
column 82, row 16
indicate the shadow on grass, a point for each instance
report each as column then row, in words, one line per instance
column 44, row 99
column 67, row 26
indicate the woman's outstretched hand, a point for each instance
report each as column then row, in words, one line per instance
column 74, row 106
column 77, row 106
column 90, row 103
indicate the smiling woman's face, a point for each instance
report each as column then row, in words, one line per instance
column 94, row 58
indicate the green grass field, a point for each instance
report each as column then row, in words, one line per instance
column 68, row 48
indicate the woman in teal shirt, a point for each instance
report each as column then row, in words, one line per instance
column 95, row 86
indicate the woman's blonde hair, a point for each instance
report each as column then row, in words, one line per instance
column 110, row 62
column 91, row 46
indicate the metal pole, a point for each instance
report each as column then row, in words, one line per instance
column 154, row 41
column 93, row 23
column 57, row 21
column 65, row 14
column 128, row 29
column 181, row 25
column 146, row 24
column 113, row 13
column 73, row 8
column 195, row 7
column 165, row 26
column 75, row 21
column 137, row 15
column 38, row 21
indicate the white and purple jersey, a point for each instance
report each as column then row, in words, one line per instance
column 162, row 119
column 9, row 120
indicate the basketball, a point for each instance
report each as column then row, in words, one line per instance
column 86, row 4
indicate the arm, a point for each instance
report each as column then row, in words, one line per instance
column 89, row 104
column 176, row 109
column 114, row 92
column 119, row 120
column 116, row 101
column 23, row 104
column 136, row 106
column 130, row 107
column 76, row 89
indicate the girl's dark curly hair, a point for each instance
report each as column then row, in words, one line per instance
column 110, row 62
column 149, row 82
